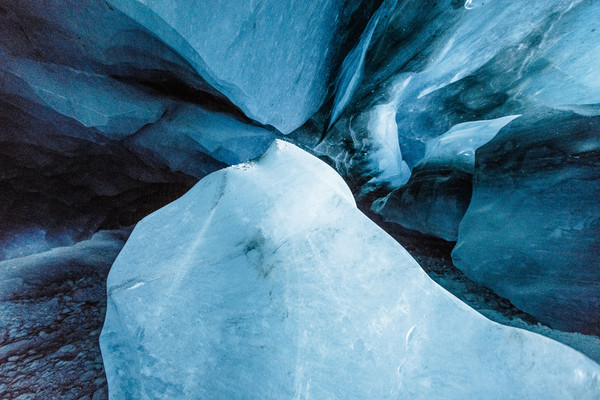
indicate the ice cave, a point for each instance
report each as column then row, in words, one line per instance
column 299, row 199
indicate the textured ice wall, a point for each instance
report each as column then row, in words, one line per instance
column 439, row 190
column 532, row 230
column 101, row 123
column 66, row 167
column 437, row 64
column 272, row 58
column 266, row 282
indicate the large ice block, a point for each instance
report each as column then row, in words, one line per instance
column 273, row 59
column 532, row 229
column 266, row 282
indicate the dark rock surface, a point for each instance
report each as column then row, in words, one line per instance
column 49, row 346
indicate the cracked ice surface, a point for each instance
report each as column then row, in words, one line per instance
column 265, row 281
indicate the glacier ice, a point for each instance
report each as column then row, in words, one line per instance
column 56, row 265
column 265, row 281
column 457, row 64
column 108, row 149
column 439, row 190
column 353, row 66
column 189, row 130
column 111, row 109
column 532, row 229
column 363, row 146
column 66, row 170
column 456, row 148
column 94, row 101
column 255, row 53
column 495, row 60
column 92, row 36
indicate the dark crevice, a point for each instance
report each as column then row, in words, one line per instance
column 171, row 86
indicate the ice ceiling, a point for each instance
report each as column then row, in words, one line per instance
column 476, row 122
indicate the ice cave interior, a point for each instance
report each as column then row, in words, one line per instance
column 283, row 199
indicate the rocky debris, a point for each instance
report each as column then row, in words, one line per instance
column 50, row 348
column 49, row 331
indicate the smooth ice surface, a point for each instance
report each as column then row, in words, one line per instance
column 95, row 101
column 190, row 130
column 456, row 148
column 433, row 201
column 500, row 57
column 82, row 151
column 437, row 195
column 353, row 66
column 265, row 281
column 532, row 229
column 457, row 62
column 271, row 58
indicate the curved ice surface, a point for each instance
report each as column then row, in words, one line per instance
column 456, row 148
column 468, row 61
column 532, row 230
column 188, row 131
column 266, row 282
column 352, row 68
column 91, row 36
column 271, row 58
column 94, row 101
column 437, row 195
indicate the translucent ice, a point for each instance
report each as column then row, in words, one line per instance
column 532, row 229
column 456, row 148
column 266, row 282
column 352, row 68
column 461, row 61
column 439, row 190
column 497, row 58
